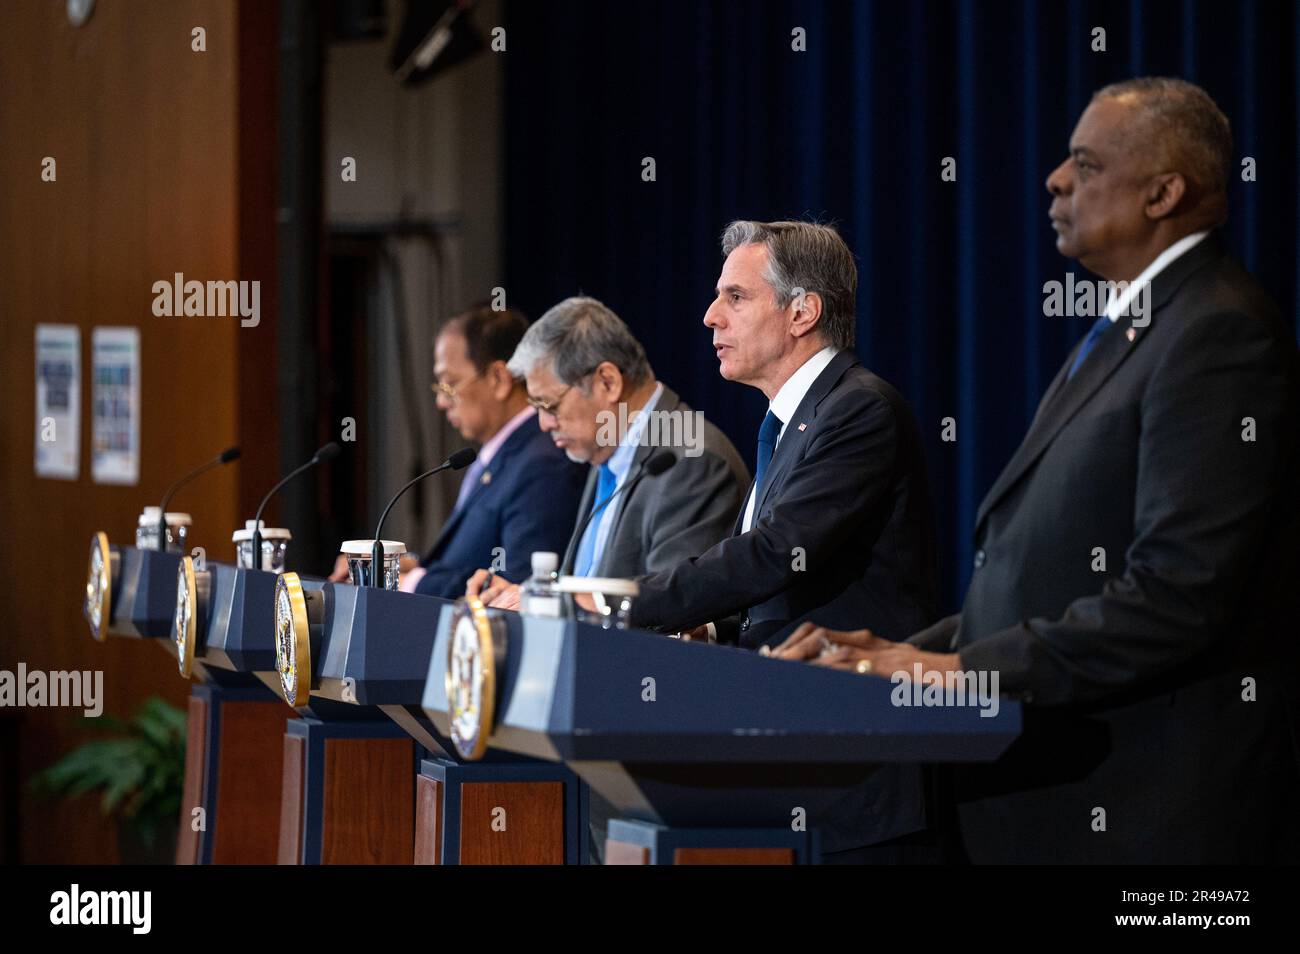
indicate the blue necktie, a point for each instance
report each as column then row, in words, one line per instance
column 767, row 435
column 1096, row 332
column 605, row 484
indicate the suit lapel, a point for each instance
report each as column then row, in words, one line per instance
column 1065, row 398
column 801, row 426
column 448, row 531
column 522, row 434
column 668, row 401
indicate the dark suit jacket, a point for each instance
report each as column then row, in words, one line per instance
column 526, row 500
column 1133, row 674
column 675, row 515
column 842, row 528
column 843, row 534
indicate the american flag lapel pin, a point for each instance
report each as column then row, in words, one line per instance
column 803, row 427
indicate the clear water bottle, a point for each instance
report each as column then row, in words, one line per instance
column 539, row 596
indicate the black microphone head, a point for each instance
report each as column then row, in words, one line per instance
column 229, row 454
column 328, row 452
column 462, row 458
column 660, row 462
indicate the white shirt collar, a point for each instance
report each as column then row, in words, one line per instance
column 792, row 393
column 621, row 460
column 1119, row 305
column 786, row 402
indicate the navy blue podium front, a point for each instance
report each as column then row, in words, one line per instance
column 685, row 737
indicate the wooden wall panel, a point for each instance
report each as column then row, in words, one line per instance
column 146, row 133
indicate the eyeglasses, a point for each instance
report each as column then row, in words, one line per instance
column 450, row 392
column 550, row 407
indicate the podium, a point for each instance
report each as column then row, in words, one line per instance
column 130, row 592
column 349, row 657
column 230, row 809
column 230, row 799
column 368, row 778
column 702, row 750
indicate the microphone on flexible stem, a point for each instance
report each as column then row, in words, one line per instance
column 225, row 457
column 457, row 461
column 653, row 467
column 328, row 452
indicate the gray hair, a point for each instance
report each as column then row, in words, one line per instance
column 807, row 256
column 576, row 336
column 1183, row 125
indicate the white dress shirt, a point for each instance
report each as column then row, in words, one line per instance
column 1119, row 305
column 786, row 402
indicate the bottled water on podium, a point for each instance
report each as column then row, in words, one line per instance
column 539, row 596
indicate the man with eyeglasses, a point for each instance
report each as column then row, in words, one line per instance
column 599, row 401
column 520, row 494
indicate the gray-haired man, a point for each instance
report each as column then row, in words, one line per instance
column 838, row 523
column 599, row 400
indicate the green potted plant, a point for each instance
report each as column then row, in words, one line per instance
column 140, row 773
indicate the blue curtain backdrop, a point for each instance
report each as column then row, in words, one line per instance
column 854, row 131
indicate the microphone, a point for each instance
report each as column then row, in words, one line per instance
column 457, row 461
column 326, row 453
column 225, row 457
column 653, row 467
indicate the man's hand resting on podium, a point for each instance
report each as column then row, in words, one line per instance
column 863, row 652
column 501, row 594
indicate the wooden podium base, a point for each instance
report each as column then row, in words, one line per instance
column 230, row 806
column 348, row 793
column 499, row 813
column 643, row 843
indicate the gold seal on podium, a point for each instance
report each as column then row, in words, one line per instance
column 99, row 587
column 292, row 640
column 474, row 648
column 184, row 624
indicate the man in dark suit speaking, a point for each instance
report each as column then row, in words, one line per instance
column 1135, row 580
column 838, row 519
column 837, row 522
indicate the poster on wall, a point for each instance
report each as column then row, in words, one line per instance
column 58, row 401
column 115, row 405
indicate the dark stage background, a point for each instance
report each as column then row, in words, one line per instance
column 853, row 131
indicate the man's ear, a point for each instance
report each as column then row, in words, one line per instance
column 1164, row 193
column 805, row 312
column 503, row 382
column 607, row 381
